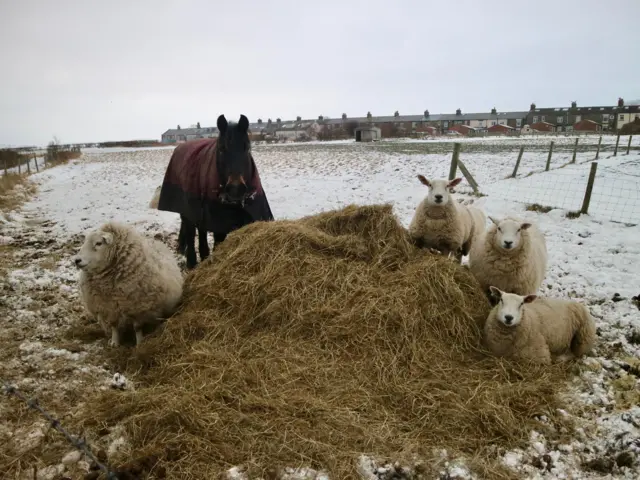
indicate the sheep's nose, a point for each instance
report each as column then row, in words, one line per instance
column 508, row 318
column 77, row 261
column 438, row 198
column 507, row 244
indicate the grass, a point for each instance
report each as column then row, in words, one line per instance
column 536, row 207
column 9, row 197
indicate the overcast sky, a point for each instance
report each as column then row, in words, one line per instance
column 89, row 70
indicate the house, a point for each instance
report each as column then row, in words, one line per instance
column 543, row 127
column 463, row 130
column 367, row 133
column 626, row 114
column 587, row 126
column 501, row 129
column 563, row 119
column 180, row 135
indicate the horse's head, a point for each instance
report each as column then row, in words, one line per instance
column 234, row 159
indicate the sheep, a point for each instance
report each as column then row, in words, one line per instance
column 441, row 223
column 155, row 199
column 540, row 330
column 126, row 278
column 511, row 255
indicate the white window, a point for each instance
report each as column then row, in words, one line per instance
column 578, row 118
column 605, row 117
column 560, row 119
column 542, row 118
column 518, row 122
column 493, row 122
column 535, row 119
column 621, row 117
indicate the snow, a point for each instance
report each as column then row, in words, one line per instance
column 594, row 259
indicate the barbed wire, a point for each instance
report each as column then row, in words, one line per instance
column 79, row 444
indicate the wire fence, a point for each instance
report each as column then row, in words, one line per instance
column 79, row 443
column 582, row 182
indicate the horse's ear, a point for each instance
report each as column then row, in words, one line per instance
column 222, row 124
column 243, row 124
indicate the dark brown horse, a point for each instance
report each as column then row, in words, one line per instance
column 213, row 183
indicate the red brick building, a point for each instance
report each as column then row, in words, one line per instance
column 543, row 127
column 587, row 126
column 463, row 130
column 500, row 130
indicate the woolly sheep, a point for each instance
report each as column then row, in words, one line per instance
column 510, row 255
column 156, row 198
column 126, row 278
column 443, row 224
column 540, row 330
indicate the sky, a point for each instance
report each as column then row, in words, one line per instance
column 89, row 70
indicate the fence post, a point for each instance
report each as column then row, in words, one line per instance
column 598, row 150
column 549, row 157
column 587, row 193
column 515, row 170
column 454, row 161
column 575, row 149
column 35, row 160
column 6, row 170
column 19, row 165
column 29, row 165
column 615, row 151
column 629, row 144
column 468, row 176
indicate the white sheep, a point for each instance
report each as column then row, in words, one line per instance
column 540, row 330
column 127, row 279
column 510, row 255
column 442, row 223
column 156, row 198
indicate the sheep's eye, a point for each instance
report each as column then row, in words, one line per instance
column 98, row 244
column 499, row 229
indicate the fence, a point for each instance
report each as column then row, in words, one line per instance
column 599, row 190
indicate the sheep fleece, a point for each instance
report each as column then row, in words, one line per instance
column 520, row 271
column 141, row 282
column 447, row 228
column 549, row 327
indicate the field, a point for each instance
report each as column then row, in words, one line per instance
column 50, row 349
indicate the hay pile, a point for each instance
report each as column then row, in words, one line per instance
column 309, row 342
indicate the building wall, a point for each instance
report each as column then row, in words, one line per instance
column 587, row 126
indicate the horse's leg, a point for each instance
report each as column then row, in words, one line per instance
column 182, row 241
column 218, row 237
column 203, row 243
column 190, row 242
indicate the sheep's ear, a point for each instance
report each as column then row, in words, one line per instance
column 524, row 226
column 494, row 220
column 495, row 291
column 424, row 180
column 530, row 298
column 107, row 237
column 454, row 182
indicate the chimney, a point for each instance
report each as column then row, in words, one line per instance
column 494, row 111
column 298, row 119
column 532, row 107
column 278, row 121
column 369, row 115
column 458, row 112
column 620, row 102
column 259, row 121
column 320, row 117
column 344, row 116
column 269, row 121
column 396, row 114
column 426, row 113
column 574, row 104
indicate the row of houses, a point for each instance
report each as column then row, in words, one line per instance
column 562, row 119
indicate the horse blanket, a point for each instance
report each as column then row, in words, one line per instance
column 192, row 188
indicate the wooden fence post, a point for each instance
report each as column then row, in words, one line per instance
column 575, row 149
column 629, row 144
column 29, row 165
column 598, row 150
column 35, row 160
column 468, row 176
column 6, row 170
column 515, row 170
column 587, row 193
column 615, row 151
column 19, row 165
column 454, row 161
column 549, row 157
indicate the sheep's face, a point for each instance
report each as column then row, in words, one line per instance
column 93, row 254
column 510, row 306
column 509, row 233
column 439, row 194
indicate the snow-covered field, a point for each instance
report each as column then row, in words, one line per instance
column 592, row 259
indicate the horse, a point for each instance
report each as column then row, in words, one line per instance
column 214, row 184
